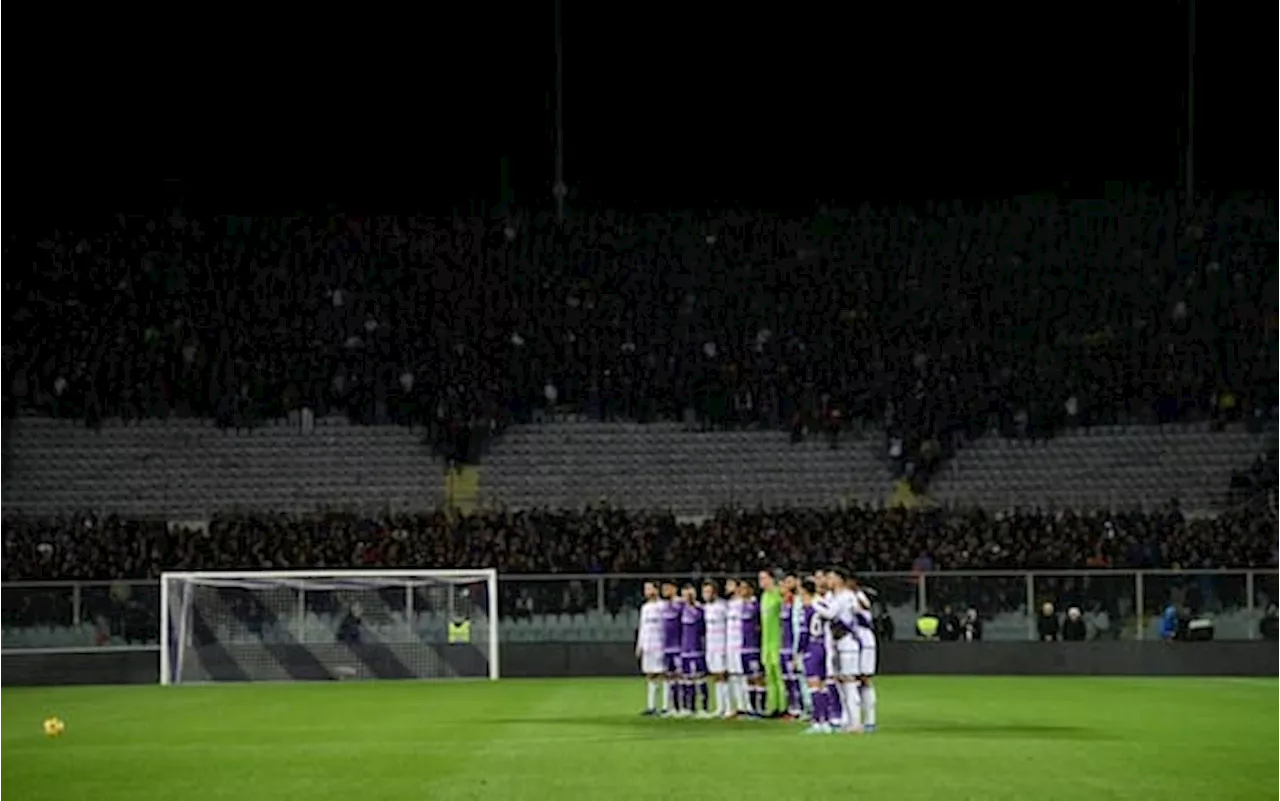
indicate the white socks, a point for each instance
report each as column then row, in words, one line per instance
column 722, row 698
column 852, row 702
column 869, row 706
column 731, row 696
column 739, row 692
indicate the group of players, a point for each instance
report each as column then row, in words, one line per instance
column 801, row 649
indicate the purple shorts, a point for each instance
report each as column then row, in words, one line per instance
column 693, row 665
column 751, row 664
column 671, row 663
column 815, row 663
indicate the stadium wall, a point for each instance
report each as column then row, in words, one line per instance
column 554, row 660
column 139, row 665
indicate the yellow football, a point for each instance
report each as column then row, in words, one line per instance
column 54, row 727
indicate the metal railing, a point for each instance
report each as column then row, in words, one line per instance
column 1116, row 604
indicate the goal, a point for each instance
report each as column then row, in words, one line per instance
column 326, row 626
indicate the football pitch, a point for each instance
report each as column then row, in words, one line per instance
column 985, row 739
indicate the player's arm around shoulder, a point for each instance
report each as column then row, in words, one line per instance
column 646, row 611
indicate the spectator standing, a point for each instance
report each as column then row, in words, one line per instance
column 927, row 626
column 1169, row 622
column 948, row 625
column 1047, row 626
column 971, row 628
column 1268, row 627
column 349, row 629
column 1073, row 627
column 1102, row 625
column 923, row 563
column 884, row 625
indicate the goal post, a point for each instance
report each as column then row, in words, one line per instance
column 326, row 625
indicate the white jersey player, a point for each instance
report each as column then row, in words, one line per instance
column 838, row 607
column 649, row 645
column 866, row 634
column 716, row 616
column 733, row 650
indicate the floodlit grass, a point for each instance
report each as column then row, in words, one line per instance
column 944, row 739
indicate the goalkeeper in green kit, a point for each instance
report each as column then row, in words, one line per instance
column 775, row 703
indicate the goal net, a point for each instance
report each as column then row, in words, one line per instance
column 324, row 626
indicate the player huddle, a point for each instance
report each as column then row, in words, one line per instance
column 798, row 649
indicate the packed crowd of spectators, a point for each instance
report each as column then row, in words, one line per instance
column 603, row 540
column 935, row 543
column 942, row 321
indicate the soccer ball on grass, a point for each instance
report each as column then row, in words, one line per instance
column 54, row 727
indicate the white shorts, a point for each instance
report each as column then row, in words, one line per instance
column 734, row 658
column 848, row 660
column 652, row 663
column 867, row 661
column 717, row 662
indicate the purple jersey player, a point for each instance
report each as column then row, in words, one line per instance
column 693, row 654
column 671, row 628
column 693, row 639
column 752, row 670
column 750, row 633
column 812, row 648
column 671, row 645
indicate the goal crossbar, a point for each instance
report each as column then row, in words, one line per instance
column 482, row 573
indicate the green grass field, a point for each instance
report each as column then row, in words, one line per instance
column 941, row 738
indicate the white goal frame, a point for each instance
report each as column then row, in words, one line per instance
column 487, row 574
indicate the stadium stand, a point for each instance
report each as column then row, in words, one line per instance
column 947, row 321
column 189, row 469
column 663, row 466
column 1103, row 467
column 1035, row 354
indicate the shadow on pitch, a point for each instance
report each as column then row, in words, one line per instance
column 961, row 729
column 979, row 730
column 689, row 726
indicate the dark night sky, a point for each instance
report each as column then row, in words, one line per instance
column 915, row 101
column 664, row 103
